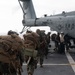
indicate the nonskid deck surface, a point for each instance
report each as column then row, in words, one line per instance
column 56, row 64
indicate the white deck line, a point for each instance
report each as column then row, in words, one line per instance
column 56, row 64
column 71, row 61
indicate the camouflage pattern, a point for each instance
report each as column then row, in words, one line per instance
column 11, row 58
column 42, row 46
column 31, row 42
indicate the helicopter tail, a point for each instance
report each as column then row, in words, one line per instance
column 28, row 9
column 28, row 12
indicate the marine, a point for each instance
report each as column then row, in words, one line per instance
column 42, row 46
column 30, row 46
column 11, row 58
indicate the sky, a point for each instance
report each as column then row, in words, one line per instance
column 52, row 7
column 11, row 14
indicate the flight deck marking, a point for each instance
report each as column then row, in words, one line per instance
column 56, row 64
column 71, row 61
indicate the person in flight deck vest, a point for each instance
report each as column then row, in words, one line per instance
column 31, row 42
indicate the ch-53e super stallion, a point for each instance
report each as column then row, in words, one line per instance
column 60, row 23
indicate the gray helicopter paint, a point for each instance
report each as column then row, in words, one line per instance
column 29, row 9
column 59, row 23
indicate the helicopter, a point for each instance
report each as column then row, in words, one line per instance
column 64, row 22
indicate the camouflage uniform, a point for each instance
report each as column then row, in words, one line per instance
column 47, row 44
column 10, row 54
column 30, row 43
column 31, row 66
column 6, row 69
column 42, row 46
